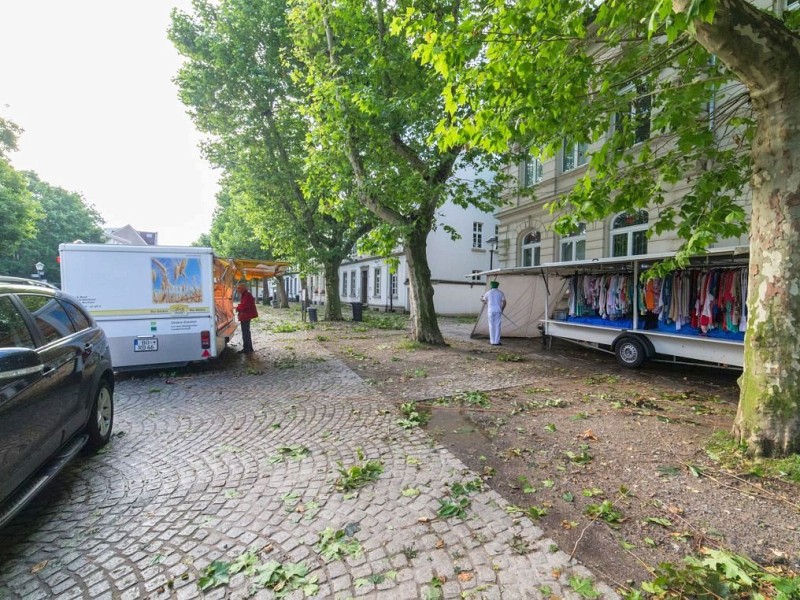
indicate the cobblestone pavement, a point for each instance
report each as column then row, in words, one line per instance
column 201, row 469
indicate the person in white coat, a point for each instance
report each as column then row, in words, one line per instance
column 495, row 302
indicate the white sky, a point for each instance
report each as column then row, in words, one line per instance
column 90, row 82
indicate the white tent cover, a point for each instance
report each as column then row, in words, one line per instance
column 525, row 304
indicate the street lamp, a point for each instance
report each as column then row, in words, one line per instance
column 492, row 241
column 39, row 269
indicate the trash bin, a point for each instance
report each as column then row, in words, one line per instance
column 356, row 310
column 276, row 303
column 312, row 315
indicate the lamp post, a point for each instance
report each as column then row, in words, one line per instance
column 39, row 270
column 492, row 241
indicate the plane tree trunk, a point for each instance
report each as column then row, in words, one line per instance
column 765, row 55
column 424, row 325
column 333, row 303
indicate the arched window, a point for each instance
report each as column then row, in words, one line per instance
column 531, row 249
column 573, row 246
column 629, row 233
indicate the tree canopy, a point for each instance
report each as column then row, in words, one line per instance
column 19, row 209
column 66, row 217
column 239, row 86
column 694, row 94
column 373, row 101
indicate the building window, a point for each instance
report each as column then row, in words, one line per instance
column 531, row 171
column 629, row 233
column 475, row 276
column 636, row 119
column 344, row 283
column 376, row 282
column 532, row 249
column 477, row 235
column 573, row 155
column 573, row 246
column 393, row 284
column 353, row 275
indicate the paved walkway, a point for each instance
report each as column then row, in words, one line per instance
column 206, row 466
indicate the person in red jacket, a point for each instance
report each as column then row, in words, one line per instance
column 247, row 311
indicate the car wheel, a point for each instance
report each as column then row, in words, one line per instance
column 630, row 352
column 102, row 417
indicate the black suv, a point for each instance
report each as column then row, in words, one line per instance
column 56, row 387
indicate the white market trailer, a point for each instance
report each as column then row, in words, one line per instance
column 694, row 327
column 158, row 305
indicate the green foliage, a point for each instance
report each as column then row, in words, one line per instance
column 473, row 486
column 509, row 357
column 214, row 575
column 410, row 345
column 295, row 452
column 457, row 508
column 64, row 217
column 358, row 475
column 604, row 511
column 583, row 586
column 289, row 327
column 418, row 372
column 374, row 103
column 282, row 579
column 717, row 574
column 733, row 456
column 237, row 81
column 412, row 417
column 521, row 73
column 580, row 458
column 386, row 321
column 533, row 512
column 335, row 544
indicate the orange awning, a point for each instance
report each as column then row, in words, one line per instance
column 247, row 268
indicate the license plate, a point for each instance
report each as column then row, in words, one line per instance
column 145, row 345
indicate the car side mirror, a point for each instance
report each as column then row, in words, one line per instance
column 19, row 362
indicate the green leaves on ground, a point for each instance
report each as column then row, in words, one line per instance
column 453, row 508
column 336, row 544
column 358, row 475
column 412, row 417
column 533, row 512
column 580, row 458
column 475, row 398
column 295, row 452
column 457, row 504
column 604, row 511
column 583, row 586
column 715, row 574
column 464, row 489
column 731, row 455
column 282, row 579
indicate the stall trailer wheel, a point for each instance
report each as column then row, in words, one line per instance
column 630, row 352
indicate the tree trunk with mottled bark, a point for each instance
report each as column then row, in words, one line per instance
column 280, row 290
column 333, row 303
column 424, row 325
column 765, row 55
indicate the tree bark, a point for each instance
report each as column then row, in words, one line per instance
column 765, row 55
column 424, row 325
column 333, row 303
column 283, row 298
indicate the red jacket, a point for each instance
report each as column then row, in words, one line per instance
column 247, row 307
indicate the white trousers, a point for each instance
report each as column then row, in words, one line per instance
column 494, row 326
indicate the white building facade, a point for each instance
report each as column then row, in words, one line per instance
column 371, row 280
